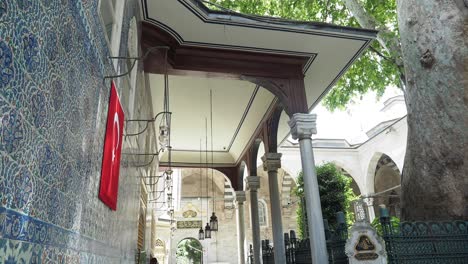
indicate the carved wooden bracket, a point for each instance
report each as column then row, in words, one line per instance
column 291, row 92
column 233, row 175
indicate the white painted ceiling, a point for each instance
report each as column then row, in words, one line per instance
column 238, row 108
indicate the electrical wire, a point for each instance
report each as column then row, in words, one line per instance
column 206, row 162
column 212, row 157
column 201, row 186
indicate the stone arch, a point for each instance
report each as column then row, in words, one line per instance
column 160, row 250
column 387, row 182
column 385, row 160
column 191, row 238
column 159, row 243
column 242, row 173
column 191, row 177
column 354, row 184
column 254, row 159
column 228, row 194
column 197, row 244
column 372, row 168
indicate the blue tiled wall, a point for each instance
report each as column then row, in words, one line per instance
column 53, row 107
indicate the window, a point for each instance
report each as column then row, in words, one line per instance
column 111, row 12
column 262, row 213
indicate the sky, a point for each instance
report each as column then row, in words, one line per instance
column 360, row 116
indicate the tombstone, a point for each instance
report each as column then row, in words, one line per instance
column 364, row 246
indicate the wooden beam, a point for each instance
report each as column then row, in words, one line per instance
column 188, row 59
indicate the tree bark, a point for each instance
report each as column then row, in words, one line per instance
column 434, row 38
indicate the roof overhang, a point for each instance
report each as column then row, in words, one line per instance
column 210, row 49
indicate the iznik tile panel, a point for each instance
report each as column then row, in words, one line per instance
column 53, row 106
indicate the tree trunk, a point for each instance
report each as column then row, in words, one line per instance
column 434, row 38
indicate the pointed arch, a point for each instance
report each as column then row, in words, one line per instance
column 256, row 150
column 377, row 161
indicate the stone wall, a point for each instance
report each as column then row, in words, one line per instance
column 222, row 247
column 53, row 109
column 289, row 217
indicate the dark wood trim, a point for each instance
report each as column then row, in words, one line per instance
column 232, row 174
column 291, row 92
column 234, row 63
column 272, row 129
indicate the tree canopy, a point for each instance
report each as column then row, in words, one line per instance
column 375, row 70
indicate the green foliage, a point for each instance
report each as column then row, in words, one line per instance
column 371, row 72
column 301, row 212
column 187, row 249
column 395, row 221
column 336, row 195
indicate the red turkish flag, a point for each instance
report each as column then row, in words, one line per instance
column 112, row 149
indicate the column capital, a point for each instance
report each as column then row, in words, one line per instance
column 271, row 161
column 303, row 125
column 240, row 197
column 253, row 183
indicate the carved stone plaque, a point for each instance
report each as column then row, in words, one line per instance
column 365, row 249
column 189, row 214
column 364, row 245
column 189, row 224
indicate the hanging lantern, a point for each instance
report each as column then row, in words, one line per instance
column 163, row 136
column 168, row 175
column 201, row 235
column 214, row 222
column 207, row 231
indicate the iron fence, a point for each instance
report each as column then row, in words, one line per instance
column 336, row 243
column 425, row 242
column 407, row 243
column 298, row 250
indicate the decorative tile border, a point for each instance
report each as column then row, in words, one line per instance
column 17, row 226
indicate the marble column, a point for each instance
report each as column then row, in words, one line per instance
column 253, row 183
column 302, row 128
column 240, row 199
column 271, row 164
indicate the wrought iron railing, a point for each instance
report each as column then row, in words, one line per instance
column 425, row 242
column 268, row 256
column 298, row 250
column 336, row 242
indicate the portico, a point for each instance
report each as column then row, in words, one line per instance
column 235, row 83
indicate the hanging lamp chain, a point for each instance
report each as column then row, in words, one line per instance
column 213, row 218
